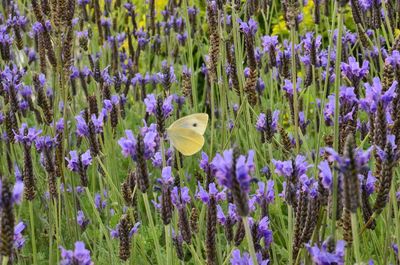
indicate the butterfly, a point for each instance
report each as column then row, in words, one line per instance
column 186, row 134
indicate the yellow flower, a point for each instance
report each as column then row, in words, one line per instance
column 396, row 33
column 280, row 27
column 142, row 22
column 159, row 5
column 308, row 18
column 125, row 45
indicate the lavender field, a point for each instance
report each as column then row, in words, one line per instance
column 221, row 132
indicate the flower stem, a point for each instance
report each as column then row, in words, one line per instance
column 294, row 82
column 249, row 240
column 290, row 233
column 166, row 227
column 152, row 227
column 5, row 260
column 356, row 240
column 396, row 214
column 168, row 242
column 33, row 239
column 336, row 125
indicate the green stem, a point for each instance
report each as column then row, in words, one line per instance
column 336, row 125
column 152, row 228
column 166, row 227
column 168, row 243
column 5, row 260
column 290, row 234
column 103, row 229
column 33, row 239
column 194, row 254
column 249, row 240
column 396, row 214
column 294, row 81
column 356, row 240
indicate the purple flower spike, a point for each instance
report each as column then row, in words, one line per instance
column 262, row 123
column 82, row 220
column 128, row 144
column 265, row 193
column 285, row 168
column 44, row 142
column 370, row 183
column 244, row 259
column 288, row 86
column 325, row 174
column 18, row 192
column 222, row 167
column 374, row 95
column 82, row 128
column 19, row 240
column 80, row 256
column 394, row 59
column 269, row 42
column 86, row 159
column 204, row 196
column 321, row 256
column 26, row 135
column 353, row 71
column 249, row 28
column 151, row 103
column 204, row 162
column 180, row 201
column 166, row 176
column 76, row 163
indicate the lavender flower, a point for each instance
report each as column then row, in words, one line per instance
column 269, row 42
column 288, row 86
column 19, row 239
column 249, row 28
column 167, row 76
column 244, row 259
column 129, row 144
column 114, row 233
column 295, row 173
column 25, row 135
column 82, row 128
column 326, row 175
column 266, row 193
column 374, row 95
column 322, row 256
column 204, row 196
column 182, row 199
column 287, row 168
column 82, row 220
column 222, row 167
column 348, row 102
column 232, row 215
column 79, row 256
column 157, row 158
column 79, row 164
column 354, row 72
column 99, row 202
column 151, row 105
column 361, row 158
column 17, row 192
column 267, row 124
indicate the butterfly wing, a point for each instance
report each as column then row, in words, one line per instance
column 186, row 141
column 196, row 122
